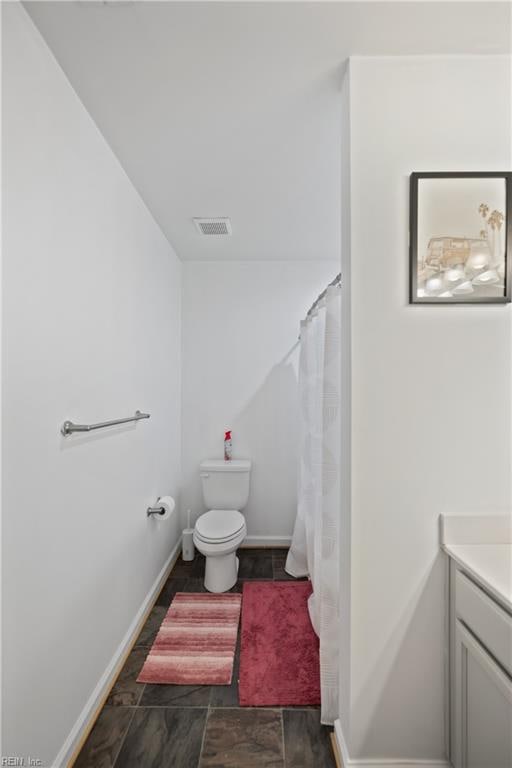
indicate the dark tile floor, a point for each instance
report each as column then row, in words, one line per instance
column 179, row 726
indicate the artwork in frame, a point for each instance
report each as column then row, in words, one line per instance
column 460, row 235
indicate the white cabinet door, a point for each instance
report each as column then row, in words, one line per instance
column 483, row 707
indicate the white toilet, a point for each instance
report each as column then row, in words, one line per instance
column 219, row 532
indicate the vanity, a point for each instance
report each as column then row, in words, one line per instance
column 480, row 639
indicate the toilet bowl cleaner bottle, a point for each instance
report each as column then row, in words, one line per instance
column 228, row 446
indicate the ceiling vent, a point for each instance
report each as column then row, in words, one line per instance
column 217, row 226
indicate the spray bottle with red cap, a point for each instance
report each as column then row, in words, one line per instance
column 228, row 446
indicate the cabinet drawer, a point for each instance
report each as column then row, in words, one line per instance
column 485, row 618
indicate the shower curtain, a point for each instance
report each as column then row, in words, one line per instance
column 314, row 550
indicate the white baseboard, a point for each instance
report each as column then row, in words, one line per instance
column 108, row 677
column 266, row 541
column 383, row 762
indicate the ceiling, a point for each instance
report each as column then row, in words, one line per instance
column 233, row 109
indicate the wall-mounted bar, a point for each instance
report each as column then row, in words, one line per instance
column 336, row 281
column 69, row 427
column 155, row 510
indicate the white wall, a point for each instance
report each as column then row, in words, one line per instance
column 91, row 332
column 240, row 353
column 431, row 391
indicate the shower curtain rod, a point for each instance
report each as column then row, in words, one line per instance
column 336, row 281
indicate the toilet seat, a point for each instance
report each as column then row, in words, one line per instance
column 217, row 535
column 219, row 526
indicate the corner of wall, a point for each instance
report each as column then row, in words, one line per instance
column 346, row 406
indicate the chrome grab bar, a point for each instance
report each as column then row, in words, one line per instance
column 69, row 427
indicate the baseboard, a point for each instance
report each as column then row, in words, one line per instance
column 383, row 762
column 336, row 751
column 266, row 541
column 83, row 726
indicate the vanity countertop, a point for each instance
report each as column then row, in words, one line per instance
column 482, row 546
column 488, row 564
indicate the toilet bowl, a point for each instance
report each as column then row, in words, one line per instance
column 217, row 535
column 219, row 532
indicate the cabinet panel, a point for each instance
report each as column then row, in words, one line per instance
column 485, row 618
column 483, row 707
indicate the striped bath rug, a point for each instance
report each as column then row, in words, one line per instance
column 195, row 644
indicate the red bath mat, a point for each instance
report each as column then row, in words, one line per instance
column 196, row 643
column 279, row 663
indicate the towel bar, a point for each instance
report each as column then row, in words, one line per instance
column 69, row 427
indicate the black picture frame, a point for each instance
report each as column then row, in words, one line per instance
column 414, row 214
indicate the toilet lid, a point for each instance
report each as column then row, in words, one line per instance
column 219, row 524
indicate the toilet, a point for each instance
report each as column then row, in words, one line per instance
column 219, row 532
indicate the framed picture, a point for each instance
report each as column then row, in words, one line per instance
column 460, row 235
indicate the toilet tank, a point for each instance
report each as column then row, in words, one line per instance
column 225, row 483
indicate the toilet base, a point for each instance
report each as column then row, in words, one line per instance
column 221, row 572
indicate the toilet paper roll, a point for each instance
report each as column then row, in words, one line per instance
column 168, row 503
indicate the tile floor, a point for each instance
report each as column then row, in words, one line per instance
column 176, row 726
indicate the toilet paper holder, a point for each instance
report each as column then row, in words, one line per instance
column 155, row 510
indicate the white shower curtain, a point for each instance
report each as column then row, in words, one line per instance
column 314, row 550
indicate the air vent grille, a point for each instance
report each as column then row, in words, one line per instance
column 217, row 226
